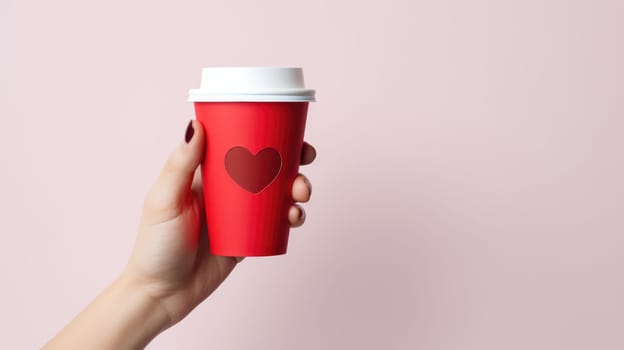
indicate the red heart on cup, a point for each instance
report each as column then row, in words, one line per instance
column 252, row 172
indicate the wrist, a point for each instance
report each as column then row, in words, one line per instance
column 141, row 313
column 123, row 316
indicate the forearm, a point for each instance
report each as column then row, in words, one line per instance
column 122, row 317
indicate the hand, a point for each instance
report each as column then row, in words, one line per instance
column 171, row 261
column 171, row 269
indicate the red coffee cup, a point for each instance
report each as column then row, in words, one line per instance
column 254, row 119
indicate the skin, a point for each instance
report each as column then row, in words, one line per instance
column 170, row 270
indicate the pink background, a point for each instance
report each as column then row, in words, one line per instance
column 468, row 192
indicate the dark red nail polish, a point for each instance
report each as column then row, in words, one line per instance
column 190, row 131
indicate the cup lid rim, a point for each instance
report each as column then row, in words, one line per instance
column 277, row 95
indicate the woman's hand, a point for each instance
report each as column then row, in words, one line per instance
column 171, row 260
column 171, row 269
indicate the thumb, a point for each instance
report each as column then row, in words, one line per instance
column 172, row 189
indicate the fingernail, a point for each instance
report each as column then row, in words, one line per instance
column 302, row 214
column 190, row 131
column 307, row 182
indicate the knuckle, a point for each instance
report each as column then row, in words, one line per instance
column 160, row 204
column 173, row 162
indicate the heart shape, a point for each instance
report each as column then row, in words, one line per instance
column 254, row 173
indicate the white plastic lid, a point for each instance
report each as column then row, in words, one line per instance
column 252, row 84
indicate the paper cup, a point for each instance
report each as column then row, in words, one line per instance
column 254, row 119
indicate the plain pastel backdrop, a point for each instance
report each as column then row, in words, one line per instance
column 468, row 193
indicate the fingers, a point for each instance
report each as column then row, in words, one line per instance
column 301, row 189
column 301, row 192
column 196, row 187
column 296, row 215
column 173, row 186
column 308, row 154
column 197, row 180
